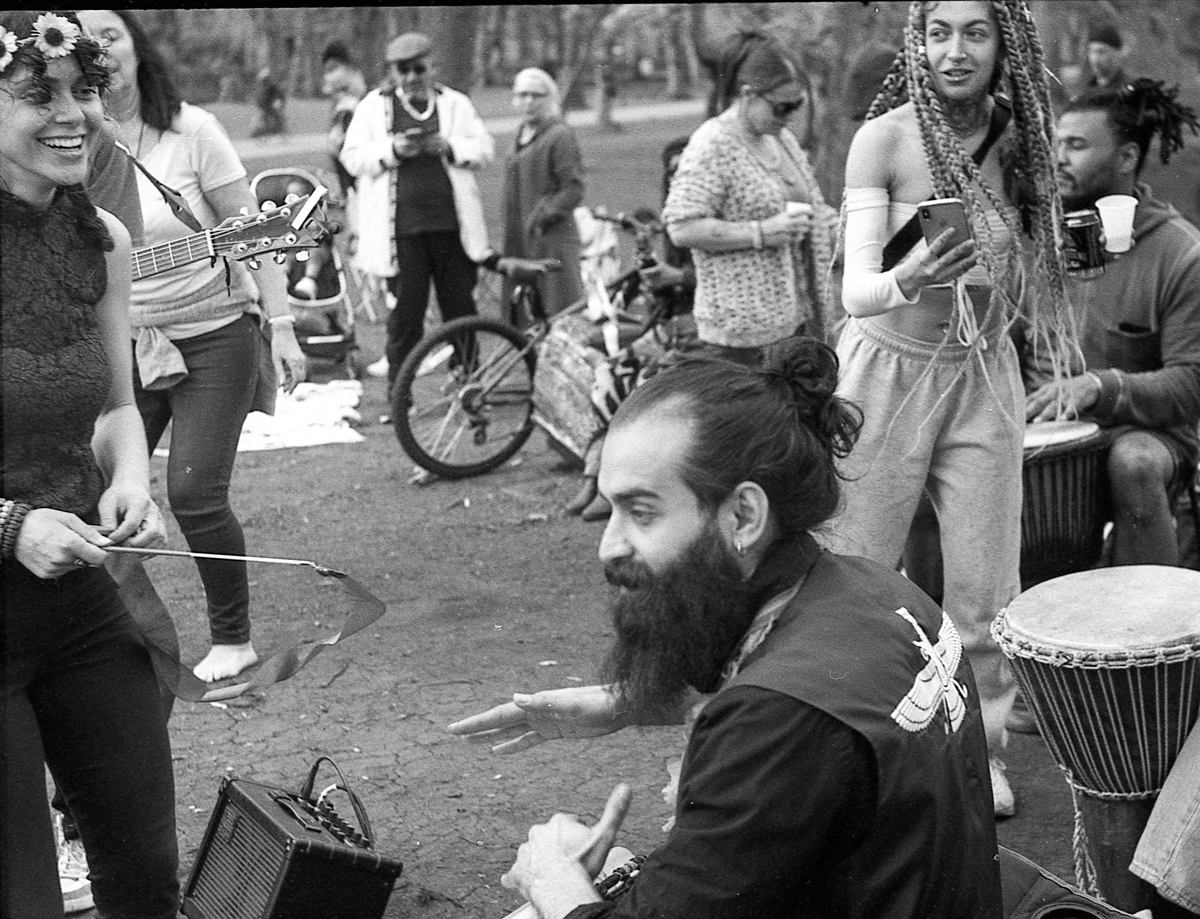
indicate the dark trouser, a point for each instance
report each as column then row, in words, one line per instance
column 419, row 259
column 80, row 691
column 207, row 409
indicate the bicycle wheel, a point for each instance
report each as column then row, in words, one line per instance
column 462, row 403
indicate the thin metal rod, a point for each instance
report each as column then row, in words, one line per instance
column 229, row 558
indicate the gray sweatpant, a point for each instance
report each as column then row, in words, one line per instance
column 942, row 420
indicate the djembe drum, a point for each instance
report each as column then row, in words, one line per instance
column 1108, row 661
column 1064, row 509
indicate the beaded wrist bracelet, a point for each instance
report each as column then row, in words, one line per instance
column 12, row 515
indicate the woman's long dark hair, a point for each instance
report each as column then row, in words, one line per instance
column 160, row 99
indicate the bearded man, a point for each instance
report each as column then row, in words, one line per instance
column 837, row 766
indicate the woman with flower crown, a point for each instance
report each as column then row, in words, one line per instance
column 79, row 689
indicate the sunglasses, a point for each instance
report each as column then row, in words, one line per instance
column 782, row 110
column 418, row 70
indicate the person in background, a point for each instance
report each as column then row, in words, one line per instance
column 746, row 202
column 200, row 333
column 836, row 763
column 79, row 690
column 1105, row 56
column 673, row 278
column 926, row 350
column 414, row 147
column 270, row 100
column 543, row 184
column 343, row 84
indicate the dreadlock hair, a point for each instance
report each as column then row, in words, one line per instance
column 1028, row 160
column 1138, row 111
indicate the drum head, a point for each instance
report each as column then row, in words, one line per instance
column 1109, row 613
column 1050, row 433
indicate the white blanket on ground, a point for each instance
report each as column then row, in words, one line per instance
column 316, row 413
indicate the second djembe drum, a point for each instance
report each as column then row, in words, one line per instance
column 1108, row 661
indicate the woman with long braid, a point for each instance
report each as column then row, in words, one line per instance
column 926, row 351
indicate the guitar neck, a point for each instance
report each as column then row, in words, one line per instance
column 157, row 259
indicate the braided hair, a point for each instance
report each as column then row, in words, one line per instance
column 779, row 425
column 1140, row 110
column 1028, row 159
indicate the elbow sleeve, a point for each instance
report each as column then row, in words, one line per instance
column 867, row 290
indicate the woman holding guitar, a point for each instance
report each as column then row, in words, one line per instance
column 198, row 329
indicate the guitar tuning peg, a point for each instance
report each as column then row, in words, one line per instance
column 267, row 206
column 245, row 211
column 290, row 199
column 255, row 263
column 302, row 255
column 279, row 257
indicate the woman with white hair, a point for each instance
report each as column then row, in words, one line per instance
column 543, row 184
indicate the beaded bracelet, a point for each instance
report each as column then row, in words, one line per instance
column 286, row 317
column 12, row 515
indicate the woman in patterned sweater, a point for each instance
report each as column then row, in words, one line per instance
column 746, row 202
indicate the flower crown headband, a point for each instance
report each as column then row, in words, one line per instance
column 53, row 36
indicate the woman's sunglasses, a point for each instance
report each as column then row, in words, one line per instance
column 782, row 110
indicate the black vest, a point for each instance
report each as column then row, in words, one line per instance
column 841, row 647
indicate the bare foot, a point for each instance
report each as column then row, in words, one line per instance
column 224, row 661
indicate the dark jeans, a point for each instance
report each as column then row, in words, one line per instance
column 207, row 409
column 436, row 257
column 79, row 690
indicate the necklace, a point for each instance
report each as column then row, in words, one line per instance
column 417, row 116
column 127, row 114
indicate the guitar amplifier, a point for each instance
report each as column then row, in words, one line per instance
column 273, row 854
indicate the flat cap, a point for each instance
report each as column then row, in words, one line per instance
column 407, row 47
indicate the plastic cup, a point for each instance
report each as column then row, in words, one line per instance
column 797, row 208
column 1116, row 216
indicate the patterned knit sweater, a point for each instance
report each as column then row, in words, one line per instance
column 747, row 297
column 54, row 372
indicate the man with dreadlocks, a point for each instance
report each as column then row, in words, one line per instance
column 1139, row 321
column 926, row 349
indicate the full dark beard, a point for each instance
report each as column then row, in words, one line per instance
column 675, row 629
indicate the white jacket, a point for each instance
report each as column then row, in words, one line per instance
column 368, row 155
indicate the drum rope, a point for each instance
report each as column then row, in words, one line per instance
column 1085, row 868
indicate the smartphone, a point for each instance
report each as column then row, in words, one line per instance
column 942, row 213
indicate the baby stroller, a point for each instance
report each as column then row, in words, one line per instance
column 317, row 292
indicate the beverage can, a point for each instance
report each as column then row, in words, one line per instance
column 1081, row 242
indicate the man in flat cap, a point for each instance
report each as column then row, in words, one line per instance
column 414, row 145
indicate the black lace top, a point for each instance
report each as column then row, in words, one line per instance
column 54, row 372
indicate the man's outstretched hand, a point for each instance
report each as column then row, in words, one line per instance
column 530, row 719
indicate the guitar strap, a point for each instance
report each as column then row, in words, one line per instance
column 175, row 201
column 908, row 235
column 179, row 207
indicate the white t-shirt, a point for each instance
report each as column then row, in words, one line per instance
column 193, row 157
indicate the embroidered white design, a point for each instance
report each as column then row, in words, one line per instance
column 935, row 684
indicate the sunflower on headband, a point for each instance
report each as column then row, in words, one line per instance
column 53, row 36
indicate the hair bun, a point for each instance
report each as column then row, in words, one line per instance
column 809, row 368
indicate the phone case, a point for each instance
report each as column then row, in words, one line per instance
column 937, row 215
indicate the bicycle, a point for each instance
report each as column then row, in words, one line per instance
column 478, row 413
